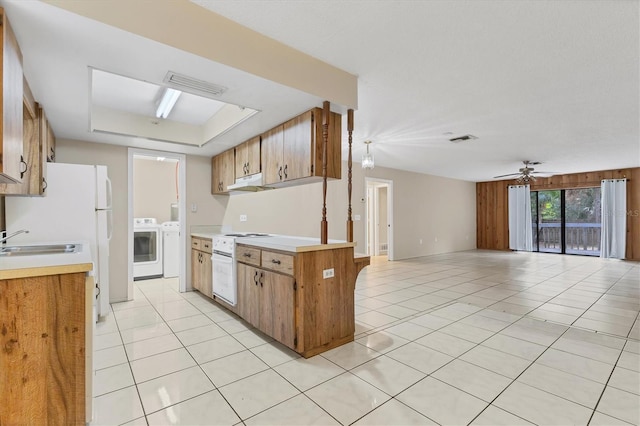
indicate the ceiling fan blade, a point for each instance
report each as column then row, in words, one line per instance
column 546, row 173
column 510, row 174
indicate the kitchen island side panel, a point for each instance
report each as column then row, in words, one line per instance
column 326, row 315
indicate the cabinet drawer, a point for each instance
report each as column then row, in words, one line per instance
column 196, row 243
column 248, row 255
column 277, row 262
column 206, row 246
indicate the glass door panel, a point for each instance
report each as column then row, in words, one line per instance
column 582, row 221
column 549, row 220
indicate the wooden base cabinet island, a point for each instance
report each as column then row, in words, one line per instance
column 46, row 339
column 298, row 291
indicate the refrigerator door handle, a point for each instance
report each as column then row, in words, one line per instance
column 109, row 224
column 109, row 193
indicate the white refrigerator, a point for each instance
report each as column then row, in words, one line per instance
column 76, row 207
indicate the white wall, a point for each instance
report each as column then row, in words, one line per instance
column 154, row 188
column 425, row 207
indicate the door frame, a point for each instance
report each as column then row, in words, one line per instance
column 376, row 183
column 182, row 210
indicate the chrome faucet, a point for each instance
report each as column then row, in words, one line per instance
column 3, row 240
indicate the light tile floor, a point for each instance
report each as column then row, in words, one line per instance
column 475, row 337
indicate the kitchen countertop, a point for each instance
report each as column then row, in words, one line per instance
column 46, row 264
column 292, row 243
column 204, row 235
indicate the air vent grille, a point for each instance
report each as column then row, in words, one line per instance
column 193, row 86
column 463, row 138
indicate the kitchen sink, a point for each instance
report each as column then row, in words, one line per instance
column 40, row 249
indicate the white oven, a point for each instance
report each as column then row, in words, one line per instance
column 147, row 248
column 224, row 266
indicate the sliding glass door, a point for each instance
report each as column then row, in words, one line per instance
column 583, row 221
column 566, row 221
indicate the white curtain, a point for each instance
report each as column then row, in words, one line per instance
column 520, row 233
column 614, row 218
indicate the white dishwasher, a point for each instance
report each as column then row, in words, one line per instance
column 171, row 249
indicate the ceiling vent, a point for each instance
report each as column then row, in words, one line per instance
column 463, row 138
column 193, row 86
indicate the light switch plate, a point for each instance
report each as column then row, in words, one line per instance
column 243, row 218
column 356, row 217
column 328, row 273
column 194, row 207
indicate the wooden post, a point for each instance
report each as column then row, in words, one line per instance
column 324, row 228
column 349, row 175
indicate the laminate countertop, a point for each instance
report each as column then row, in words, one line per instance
column 38, row 265
column 292, row 243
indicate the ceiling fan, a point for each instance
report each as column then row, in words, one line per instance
column 527, row 173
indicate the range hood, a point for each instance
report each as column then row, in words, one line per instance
column 251, row 183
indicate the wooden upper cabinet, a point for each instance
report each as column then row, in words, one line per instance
column 272, row 155
column 33, row 148
column 298, row 143
column 300, row 157
column 222, row 172
column 12, row 164
column 248, row 158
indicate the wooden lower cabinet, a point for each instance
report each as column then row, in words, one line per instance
column 286, row 296
column 45, row 336
column 267, row 301
column 201, row 272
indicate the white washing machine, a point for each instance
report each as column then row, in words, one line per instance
column 147, row 248
column 171, row 249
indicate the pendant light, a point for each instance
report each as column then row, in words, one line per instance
column 367, row 159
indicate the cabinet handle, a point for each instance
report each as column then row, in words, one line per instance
column 276, row 261
column 246, row 254
column 22, row 162
column 206, row 246
column 280, row 172
column 285, row 170
column 255, row 278
column 44, row 185
column 261, row 277
column 52, row 157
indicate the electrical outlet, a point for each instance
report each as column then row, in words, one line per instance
column 356, row 217
column 243, row 218
column 328, row 273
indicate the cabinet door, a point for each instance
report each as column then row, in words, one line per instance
column 242, row 159
column 253, row 156
column 195, row 269
column 50, row 147
column 222, row 171
column 277, row 307
column 32, row 179
column 248, row 307
column 11, row 162
column 272, row 164
column 228, row 169
column 206, row 275
column 298, row 143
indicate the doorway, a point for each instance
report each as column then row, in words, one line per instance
column 566, row 221
column 156, row 218
column 379, row 217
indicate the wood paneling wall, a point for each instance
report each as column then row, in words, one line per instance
column 493, row 214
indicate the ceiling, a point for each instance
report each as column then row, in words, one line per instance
column 549, row 81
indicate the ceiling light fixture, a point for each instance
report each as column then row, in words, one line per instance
column 367, row 159
column 169, row 98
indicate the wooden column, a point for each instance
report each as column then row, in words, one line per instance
column 350, row 175
column 324, row 228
